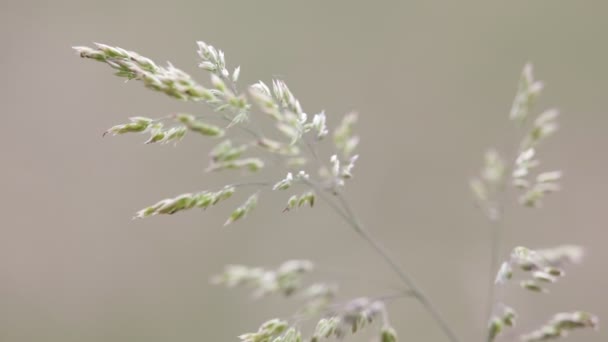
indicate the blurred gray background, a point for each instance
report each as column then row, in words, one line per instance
column 433, row 83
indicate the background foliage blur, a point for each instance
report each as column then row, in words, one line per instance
column 433, row 83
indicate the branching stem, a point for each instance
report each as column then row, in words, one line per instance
column 348, row 215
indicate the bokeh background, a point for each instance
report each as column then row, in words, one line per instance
column 433, row 83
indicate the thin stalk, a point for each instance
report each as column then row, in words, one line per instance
column 348, row 215
column 244, row 128
column 496, row 228
column 496, row 217
column 260, row 184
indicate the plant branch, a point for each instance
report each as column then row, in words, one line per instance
column 496, row 217
column 348, row 215
column 496, row 227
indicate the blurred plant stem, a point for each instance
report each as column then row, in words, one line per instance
column 496, row 226
column 496, row 216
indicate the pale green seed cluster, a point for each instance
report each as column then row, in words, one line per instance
column 131, row 65
column 285, row 183
column 269, row 331
column 160, row 133
column 318, row 298
column 226, row 156
column 561, row 324
column 388, row 334
column 290, row 180
column 539, row 270
column 228, row 100
column 506, row 318
column 291, row 335
column 213, row 60
column 339, row 171
column 296, row 201
column 194, row 124
column 562, row 255
column 344, row 139
column 277, row 147
column 542, row 126
column 490, row 184
column 224, row 83
column 286, row 279
column 535, row 189
column 355, row 315
column 250, row 164
column 243, row 210
column 280, row 104
column 541, row 267
column 326, row 328
column 359, row 313
column 187, row 201
column 284, row 108
column 137, row 124
column 225, row 151
column 527, row 92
